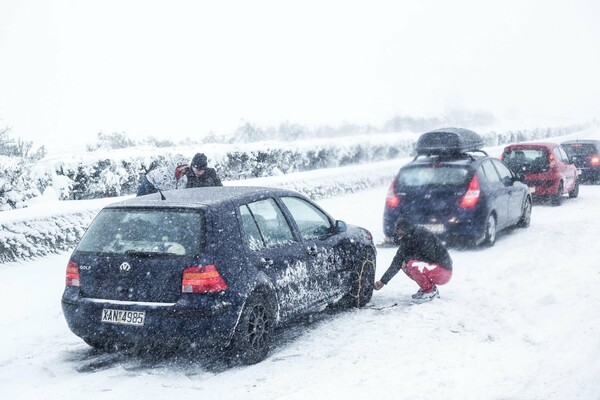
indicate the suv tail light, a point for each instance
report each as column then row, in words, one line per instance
column 72, row 276
column 595, row 160
column 392, row 199
column 203, row 279
column 471, row 197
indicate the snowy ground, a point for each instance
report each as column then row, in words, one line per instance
column 517, row 321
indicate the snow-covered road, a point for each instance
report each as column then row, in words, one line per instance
column 517, row 321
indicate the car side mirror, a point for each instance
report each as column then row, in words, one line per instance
column 340, row 226
column 519, row 177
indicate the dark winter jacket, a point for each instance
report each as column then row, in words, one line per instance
column 418, row 244
column 208, row 178
column 146, row 187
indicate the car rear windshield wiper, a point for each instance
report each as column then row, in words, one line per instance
column 137, row 253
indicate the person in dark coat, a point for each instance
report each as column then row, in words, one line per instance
column 199, row 175
column 423, row 257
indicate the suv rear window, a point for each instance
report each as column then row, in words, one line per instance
column 580, row 149
column 147, row 231
column 428, row 175
column 526, row 160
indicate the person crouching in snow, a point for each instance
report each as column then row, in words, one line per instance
column 423, row 257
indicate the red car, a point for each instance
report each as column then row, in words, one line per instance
column 548, row 170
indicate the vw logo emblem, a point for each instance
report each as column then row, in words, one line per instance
column 125, row 267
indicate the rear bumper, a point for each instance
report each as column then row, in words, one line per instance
column 202, row 325
column 589, row 173
column 463, row 224
column 542, row 186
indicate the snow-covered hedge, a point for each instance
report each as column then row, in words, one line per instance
column 40, row 236
column 113, row 173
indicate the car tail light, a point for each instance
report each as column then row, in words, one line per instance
column 203, row 279
column 72, row 276
column 471, row 197
column 595, row 160
column 392, row 199
column 552, row 161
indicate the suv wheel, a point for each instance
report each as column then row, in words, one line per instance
column 575, row 192
column 526, row 215
column 253, row 333
column 491, row 230
column 557, row 199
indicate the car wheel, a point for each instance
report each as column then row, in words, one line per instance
column 253, row 333
column 363, row 281
column 575, row 192
column 557, row 199
column 491, row 230
column 526, row 215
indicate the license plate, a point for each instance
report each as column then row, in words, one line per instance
column 532, row 189
column 123, row 317
column 434, row 228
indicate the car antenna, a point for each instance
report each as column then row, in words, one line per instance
column 162, row 196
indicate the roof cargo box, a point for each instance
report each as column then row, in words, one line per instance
column 448, row 141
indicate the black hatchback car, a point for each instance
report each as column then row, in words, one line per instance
column 456, row 190
column 586, row 157
column 212, row 267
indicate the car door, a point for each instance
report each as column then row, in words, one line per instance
column 570, row 171
column 317, row 232
column 496, row 192
column 516, row 193
column 272, row 247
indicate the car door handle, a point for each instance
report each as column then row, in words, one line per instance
column 266, row 261
column 312, row 250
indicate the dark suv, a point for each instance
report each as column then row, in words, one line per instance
column 586, row 156
column 456, row 190
column 212, row 267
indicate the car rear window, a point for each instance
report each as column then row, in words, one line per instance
column 433, row 175
column 526, row 160
column 580, row 149
column 144, row 231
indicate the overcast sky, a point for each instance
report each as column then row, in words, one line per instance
column 70, row 69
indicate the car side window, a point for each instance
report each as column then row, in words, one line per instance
column 557, row 154
column 271, row 223
column 489, row 171
column 504, row 172
column 252, row 236
column 564, row 155
column 311, row 221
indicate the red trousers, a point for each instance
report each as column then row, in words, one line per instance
column 427, row 275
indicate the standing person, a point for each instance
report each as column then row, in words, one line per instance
column 199, row 175
column 423, row 257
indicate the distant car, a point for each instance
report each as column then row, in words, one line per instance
column 586, row 156
column 212, row 268
column 549, row 172
column 456, row 190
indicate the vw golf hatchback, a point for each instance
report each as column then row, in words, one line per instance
column 212, row 268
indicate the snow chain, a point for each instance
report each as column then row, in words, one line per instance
column 360, row 274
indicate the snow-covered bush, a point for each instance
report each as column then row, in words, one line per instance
column 41, row 236
column 109, row 173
